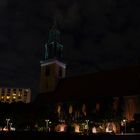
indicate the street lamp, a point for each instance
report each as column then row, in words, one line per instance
column 87, row 121
column 7, row 123
column 47, row 124
column 124, row 121
column 10, row 126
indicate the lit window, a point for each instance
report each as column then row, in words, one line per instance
column 14, row 94
column 14, row 97
column 7, row 97
column 26, row 90
column 19, row 94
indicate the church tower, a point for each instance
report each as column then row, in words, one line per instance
column 52, row 67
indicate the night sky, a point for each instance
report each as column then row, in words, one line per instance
column 97, row 35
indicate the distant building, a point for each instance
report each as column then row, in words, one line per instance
column 9, row 95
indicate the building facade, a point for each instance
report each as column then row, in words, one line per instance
column 118, row 89
column 52, row 67
column 9, row 95
column 131, row 106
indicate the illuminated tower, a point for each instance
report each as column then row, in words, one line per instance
column 52, row 67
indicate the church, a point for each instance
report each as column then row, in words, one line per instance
column 87, row 94
column 52, row 67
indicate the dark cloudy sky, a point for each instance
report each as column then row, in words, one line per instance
column 97, row 35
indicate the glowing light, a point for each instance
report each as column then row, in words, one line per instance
column 124, row 120
column 19, row 94
column 14, row 97
column 27, row 90
column 47, row 124
column 76, row 128
column 14, row 94
column 61, row 127
column 94, row 130
column 8, row 97
column 123, row 123
column 111, row 127
column 5, row 129
column 13, row 129
column 86, row 126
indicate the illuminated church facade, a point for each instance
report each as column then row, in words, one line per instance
column 76, row 92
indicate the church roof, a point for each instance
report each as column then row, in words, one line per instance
column 119, row 82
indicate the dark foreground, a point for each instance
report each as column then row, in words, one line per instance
column 64, row 136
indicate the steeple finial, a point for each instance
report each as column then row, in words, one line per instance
column 54, row 33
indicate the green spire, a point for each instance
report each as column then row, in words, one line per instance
column 54, row 33
column 53, row 48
